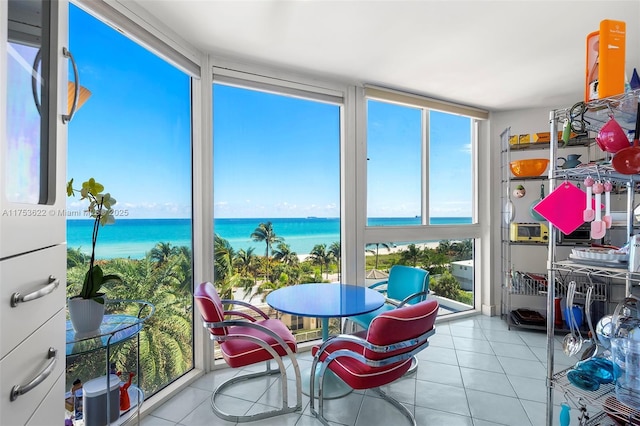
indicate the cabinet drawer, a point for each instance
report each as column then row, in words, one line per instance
column 26, row 274
column 25, row 363
column 51, row 408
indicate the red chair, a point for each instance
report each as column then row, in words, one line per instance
column 247, row 341
column 376, row 356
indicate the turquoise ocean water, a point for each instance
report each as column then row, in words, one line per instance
column 133, row 238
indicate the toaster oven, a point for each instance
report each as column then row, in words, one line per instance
column 529, row 232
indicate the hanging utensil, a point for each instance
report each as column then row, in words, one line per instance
column 598, row 227
column 572, row 342
column 509, row 212
column 534, row 214
column 608, row 186
column 592, row 350
column 627, row 160
column 589, row 213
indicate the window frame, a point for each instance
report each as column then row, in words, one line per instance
column 424, row 231
column 192, row 63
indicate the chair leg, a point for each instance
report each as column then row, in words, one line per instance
column 413, row 368
column 404, row 410
column 320, row 413
column 267, row 372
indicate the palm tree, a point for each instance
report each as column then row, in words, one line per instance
column 462, row 250
column 161, row 252
column 320, row 256
column 411, row 255
column 435, row 261
column 335, row 253
column 264, row 232
column 377, row 245
column 284, row 254
column 444, row 246
column 244, row 261
column 165, row 351
column 223, row 264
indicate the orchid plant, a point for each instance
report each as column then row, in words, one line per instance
column 101, row 210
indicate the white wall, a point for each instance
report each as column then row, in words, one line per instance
column 531, row 258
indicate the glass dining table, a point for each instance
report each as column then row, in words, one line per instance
column 324, row 301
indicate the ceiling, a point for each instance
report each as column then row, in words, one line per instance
column 497, row 55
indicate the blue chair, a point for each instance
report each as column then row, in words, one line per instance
column 406, row 285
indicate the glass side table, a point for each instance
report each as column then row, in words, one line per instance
column 123, row 320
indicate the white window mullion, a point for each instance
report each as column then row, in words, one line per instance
column 425, row 167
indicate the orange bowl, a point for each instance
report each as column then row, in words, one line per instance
column 530, row 167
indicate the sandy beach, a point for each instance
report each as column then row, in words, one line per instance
column 383, row 250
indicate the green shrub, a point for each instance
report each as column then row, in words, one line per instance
column 446, row 286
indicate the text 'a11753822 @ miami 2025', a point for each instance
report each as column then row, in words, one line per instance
column 49, row 212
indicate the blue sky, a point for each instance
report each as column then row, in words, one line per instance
column 274, row 156
column 277, row 156
column 133, row 133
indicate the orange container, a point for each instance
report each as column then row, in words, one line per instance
column 612, row 58
column 529, row 168
column 592, row 67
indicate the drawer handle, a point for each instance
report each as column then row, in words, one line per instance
column 51, row 285
column 18, row 390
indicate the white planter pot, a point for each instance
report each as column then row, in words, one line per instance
column 85, row 314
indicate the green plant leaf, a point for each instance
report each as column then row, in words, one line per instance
column 111, row 277
column 92, row 282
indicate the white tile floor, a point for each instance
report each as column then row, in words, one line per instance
column 474, row 373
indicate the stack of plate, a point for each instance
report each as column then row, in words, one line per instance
column 599, row 254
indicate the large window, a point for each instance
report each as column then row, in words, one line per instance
column 450, row 169
column 421, row 179
column 133, row 135
column 394, row 164
column 419, row 166
column 276, row 193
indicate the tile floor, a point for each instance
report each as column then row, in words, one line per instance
column 474, row 373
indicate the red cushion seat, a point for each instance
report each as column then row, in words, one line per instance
column 241, row 352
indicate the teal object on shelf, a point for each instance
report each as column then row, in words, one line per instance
column 583, row 380
column 600, row 369
column 565, row 415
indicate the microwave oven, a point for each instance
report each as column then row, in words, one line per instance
column 529, row 232
column 581, row 236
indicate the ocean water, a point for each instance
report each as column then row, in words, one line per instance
column 133, row 238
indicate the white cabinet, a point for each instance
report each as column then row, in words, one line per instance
column 39, row 273
column 33, row 89
column 31, row 361
column 33, row 151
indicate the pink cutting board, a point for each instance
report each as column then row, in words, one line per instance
column 564, row 207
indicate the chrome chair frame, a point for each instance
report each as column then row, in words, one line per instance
column 248, row 321
column 421, row 295
column 421, row 340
